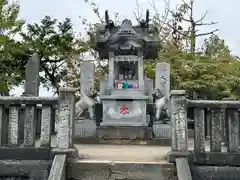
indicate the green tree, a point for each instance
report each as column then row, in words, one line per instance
column 200, row 76
column 57, row 47
column 215, row 47
column 10, row 26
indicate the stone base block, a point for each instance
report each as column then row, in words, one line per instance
column 161, row 130
column 85, row 128
column 126, row 132
column 160, row 142
column 162, row 134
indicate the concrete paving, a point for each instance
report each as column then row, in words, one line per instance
column 123, row 152
column 130, row 153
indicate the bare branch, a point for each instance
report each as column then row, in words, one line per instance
column 139, row 12
column 182, row 18
column 191, row 10
column 206, row 24
column 189, row 7
column 184, row 2
column 208, row 33
column 161, row 20
column 95, row 9
column 187, row 20
column 202, row 18
column 183, row 33
column 166, row 9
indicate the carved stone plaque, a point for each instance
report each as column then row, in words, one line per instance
column 162, row 130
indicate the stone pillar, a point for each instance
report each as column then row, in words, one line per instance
column 140, row 72
column 66, row 117
column 179, row 121
column 32, row 76
column 87, row 78
column 224, row 123
column 149, row 88
column 103, row 86
column 111, row 71
column 162, row 80
column 87, row 73
column 31, row 89
column 208, row 123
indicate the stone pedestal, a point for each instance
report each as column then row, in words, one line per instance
column 162, row 132
column 123, row 110
column 124, row 116
column 85, row 128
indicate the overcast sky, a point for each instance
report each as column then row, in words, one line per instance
column 226, row 13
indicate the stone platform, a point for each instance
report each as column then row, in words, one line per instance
column 129, row 153
column 124, row 132
column 87, row 132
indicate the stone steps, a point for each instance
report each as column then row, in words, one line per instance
column 119, row 170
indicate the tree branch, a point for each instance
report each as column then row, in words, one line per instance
column 47, row 60
column 50, row 75
column 191, row 11
column 161, row 20
column 208, row 33
column 182, row 18
column 59, row 65
column 206, row 24
column 139, row 12
column 187, row 20
column 180, row 32
column 203, row 17
column 189, row 7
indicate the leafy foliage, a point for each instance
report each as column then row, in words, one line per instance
column 203, row 77
column 215, row 47
column 10, row 25
column 57, row 47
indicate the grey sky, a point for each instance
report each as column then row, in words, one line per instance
column 224, row 12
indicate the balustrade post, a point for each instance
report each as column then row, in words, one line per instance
column 66, row 118
column 179, row 121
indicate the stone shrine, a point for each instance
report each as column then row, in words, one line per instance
column 129, row 106
column 124, row 101
column 125, row 91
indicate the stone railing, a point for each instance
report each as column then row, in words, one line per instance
column 20, row 114
column 222, row 148
column 12, row 119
